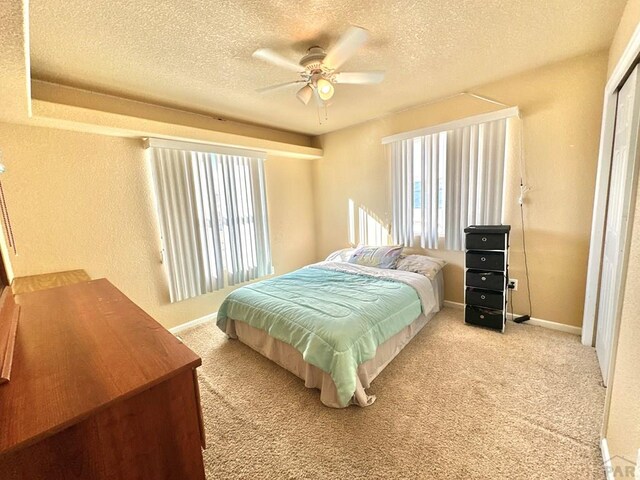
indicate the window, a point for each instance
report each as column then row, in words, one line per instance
column 212, row 216
column 446, row 178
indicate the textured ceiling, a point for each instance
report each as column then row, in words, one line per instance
column 197, row 54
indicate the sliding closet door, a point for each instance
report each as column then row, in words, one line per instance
column 621, row 196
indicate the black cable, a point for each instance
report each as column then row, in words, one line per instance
column 524, row 318
column 511, row 302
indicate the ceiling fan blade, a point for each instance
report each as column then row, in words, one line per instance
column 347, row 45
column 360, row 78
column 275, row 58
column 279, row 85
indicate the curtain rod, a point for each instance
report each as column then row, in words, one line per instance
column 448, row 97
column 202, row 147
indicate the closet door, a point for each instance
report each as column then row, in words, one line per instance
column 620, row 198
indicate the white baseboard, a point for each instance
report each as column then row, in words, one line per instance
column 193, row 323
column 606, row 459
column 532, row 321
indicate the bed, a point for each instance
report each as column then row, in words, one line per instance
column 334, row 324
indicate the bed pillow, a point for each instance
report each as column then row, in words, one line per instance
column 379, row 257
column 422, row 264
column 340, row 255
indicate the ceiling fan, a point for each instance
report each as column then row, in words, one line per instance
column 318, row 69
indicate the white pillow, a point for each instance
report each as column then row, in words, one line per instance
column 340, row 255
column 422, row 264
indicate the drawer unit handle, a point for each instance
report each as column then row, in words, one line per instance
column 482, row 316
column 484, row 239
column 484, row 278
column 483, row 297
column 484, row 259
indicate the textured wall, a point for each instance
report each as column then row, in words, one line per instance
column 562, row 107
column 83, row 201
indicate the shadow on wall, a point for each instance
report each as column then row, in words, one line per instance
column 365, row 227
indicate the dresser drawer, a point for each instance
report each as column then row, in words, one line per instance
column 484, row 317
column 485, row 298
column 488, row 280
column 485, row 241
column 485, row 260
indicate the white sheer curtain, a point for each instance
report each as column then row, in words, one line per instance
column 475, row 178
column 401, row 159
column 212, row 216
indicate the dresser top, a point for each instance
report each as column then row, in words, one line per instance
column 80, row 348
column 34, row 283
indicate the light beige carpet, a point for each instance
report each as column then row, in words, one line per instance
column 459, row 402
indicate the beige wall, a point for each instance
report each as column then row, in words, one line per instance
column 622, row 418
column 80, row 200
column 626, row 27
column 562, row 107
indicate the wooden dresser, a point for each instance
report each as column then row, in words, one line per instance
column 98, row 390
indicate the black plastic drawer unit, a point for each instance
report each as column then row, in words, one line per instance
column 485, row 260
column 484, row 317
column 485, row 298
column 485, row 241
column 486, row 275
column 487, row 280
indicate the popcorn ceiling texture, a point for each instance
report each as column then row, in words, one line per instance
column 197, row 55
column 14, row 85
column 459, row 402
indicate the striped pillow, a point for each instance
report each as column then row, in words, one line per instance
column 379, row 257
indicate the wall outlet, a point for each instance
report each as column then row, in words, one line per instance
column 513, row 284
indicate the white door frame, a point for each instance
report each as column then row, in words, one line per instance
column 619, row 74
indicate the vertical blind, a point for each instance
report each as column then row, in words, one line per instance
column 475, row 179
column 430, row 152
column 212, row 216
column 402, row 179
column 470, row 159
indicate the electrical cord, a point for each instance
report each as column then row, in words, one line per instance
column 511, row 303
column 524, row 318
column 523, row 190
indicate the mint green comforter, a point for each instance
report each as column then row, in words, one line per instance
column 336, row 320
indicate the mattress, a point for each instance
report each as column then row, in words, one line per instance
column 292, row 360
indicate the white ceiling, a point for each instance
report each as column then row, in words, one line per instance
column 197, row 54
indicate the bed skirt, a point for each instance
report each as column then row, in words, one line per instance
column 289, row 358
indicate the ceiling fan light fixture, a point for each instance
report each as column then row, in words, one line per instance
column 325, row 89
column 305, row 94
